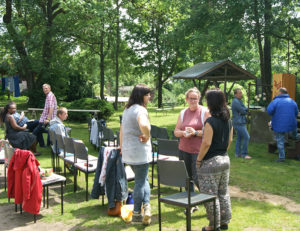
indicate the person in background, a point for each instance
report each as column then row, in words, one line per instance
column 189, row 129
column 16, row 135
column 136, row 149
column 49, row 112
column 21, row 120
column 213, row 162
column 284, row 112
column 239, row 112
column 57, row 123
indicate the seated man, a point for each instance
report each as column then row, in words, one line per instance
column 57, row 124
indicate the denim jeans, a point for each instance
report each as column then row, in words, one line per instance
column 141, row 191
column 280, row 139
column 242, row 140
column 190, row 164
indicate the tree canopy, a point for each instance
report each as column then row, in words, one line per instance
column 114, row 43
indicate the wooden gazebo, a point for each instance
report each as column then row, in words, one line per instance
column 215, row 72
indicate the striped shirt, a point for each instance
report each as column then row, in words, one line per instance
column 50, row 102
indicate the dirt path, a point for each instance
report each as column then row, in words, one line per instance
column 266, row 197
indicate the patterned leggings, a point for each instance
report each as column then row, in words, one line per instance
column 213, row 177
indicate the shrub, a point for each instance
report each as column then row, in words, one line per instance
column 105, row 107
column 181, row 99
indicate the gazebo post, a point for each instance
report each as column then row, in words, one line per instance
column 225, row 84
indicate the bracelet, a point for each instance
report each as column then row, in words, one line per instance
column 199, row 160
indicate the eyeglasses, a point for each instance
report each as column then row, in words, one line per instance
column 193, row 99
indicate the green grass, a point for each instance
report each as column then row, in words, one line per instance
column 260, row 174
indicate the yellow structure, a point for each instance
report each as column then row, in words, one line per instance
column 284, row 80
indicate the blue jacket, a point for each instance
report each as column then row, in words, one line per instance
column 284, row 111
column 239, row 112
column 115, row 182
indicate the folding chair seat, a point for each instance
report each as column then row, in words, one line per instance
column 174, row 173
column 88, row 163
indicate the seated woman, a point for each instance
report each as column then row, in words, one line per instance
column 15, row 134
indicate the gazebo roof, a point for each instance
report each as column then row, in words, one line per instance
column 215, row 71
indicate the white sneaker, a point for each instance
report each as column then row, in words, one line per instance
column 147, row 214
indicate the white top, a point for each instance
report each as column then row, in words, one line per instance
column 133, row 151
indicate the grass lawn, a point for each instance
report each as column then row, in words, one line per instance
column 259, row 174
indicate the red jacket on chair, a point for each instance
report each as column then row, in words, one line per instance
column 24, row 182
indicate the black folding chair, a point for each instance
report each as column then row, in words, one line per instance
column 173, row 173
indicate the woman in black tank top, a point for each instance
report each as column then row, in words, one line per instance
column 213, row 162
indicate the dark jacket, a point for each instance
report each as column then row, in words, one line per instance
column 284, row 111
column 239, row 112
column 115, row 181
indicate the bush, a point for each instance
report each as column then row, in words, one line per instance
column 105, row 107
column 181, row 99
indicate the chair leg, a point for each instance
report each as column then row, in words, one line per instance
column 188, row 219
column 62, row 197
column 159, row 215
column 215, row 215
column 75, row 180
column 5, row 178
column 87, row 186
column 152, row 171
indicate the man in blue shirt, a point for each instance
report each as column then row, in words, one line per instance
column 284, row 112
column 239, row 121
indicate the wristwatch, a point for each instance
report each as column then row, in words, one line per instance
column 196, row 133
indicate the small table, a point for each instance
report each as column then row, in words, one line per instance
column 52, row 180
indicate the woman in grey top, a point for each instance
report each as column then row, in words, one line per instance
column 136, row 149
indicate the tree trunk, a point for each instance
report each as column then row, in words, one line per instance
column 102, row 63
column 259, row 42
column 47, row 49
column 19, row 46
column 159, row 68
column 267, row 48
column 117, row 55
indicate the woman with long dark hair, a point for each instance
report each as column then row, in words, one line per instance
column 136, row 149
column 15, row 134
column 213, row 163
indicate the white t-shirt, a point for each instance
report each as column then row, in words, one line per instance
column 133, row 151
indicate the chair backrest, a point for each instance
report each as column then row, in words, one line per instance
column 154, row 131
column 60, row 141
column 162, row 133
column 69, row 145
column 173, row 136
column 8, row 152
column 168, row 147
column 172, row 173
column 118, row 138
column 108, row 134
column 80, row 150
column 52, row 137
